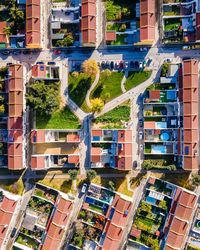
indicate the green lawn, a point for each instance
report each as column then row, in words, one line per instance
column 115, row 118
column 171, row 24
column 62, row 119
column 78, row 87
column 110, row 85
column 136, row 78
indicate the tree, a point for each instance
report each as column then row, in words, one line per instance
column 1, row 99
column 73, row 174
column 106, row 96
column 195, row 180
column 97, row 105
column 107, row 73
column 111, row 185
column 90, row 67
column 122, row 28
column 146, row 207
column 44, row 98
column 7, row 31
column 2, row 108
column 91, row 174
column 163, row 204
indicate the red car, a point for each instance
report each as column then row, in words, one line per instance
column 57, row 52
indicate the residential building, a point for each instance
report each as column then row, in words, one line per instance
column 33, row 24
column 181, row 21
column 88, row 22
column 109, row 213
column 147, row 20
column 45, row 72
column 45, row 220
column 161, row 117
column 168, row 211
column 189, row 89
column 8, row 207
column 111, row 148
column 55, row 149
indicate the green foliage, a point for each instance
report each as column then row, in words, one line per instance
column 146, row 207
column 44, row 97
column 97, row 105
column 195, row 180
column 111, row 185
column 163, row 204
column 164, row 69
column 73, row 174
column 2, row 108
column 91, row 174
column 158, row 164
column 136, row 78
column 68, row 40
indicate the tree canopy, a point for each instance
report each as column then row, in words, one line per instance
column 90, row 67
column 97, row 105
column 44, row 97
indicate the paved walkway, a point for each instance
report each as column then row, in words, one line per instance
column 94, row 84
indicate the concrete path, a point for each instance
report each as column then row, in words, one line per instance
column 94, row 84
column 123, row 82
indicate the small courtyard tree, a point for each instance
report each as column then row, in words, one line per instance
column 96, row 105
column 90, row 67
column 91, row 174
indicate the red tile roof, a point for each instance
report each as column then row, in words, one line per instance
column 97, row 132
column 3, row 38
column 135, row 232
column 33, row 33
column 15, row 110
column 147, row 20
column 174, row 240
column 88, row 22
column 96, row 151
column 38, row 136
column 15, row 136
column 15, row 97
column 37, row 162
column 57, row 226
column 39, row 71
column 73, row 138
column 190, row 112
column 74, row 159
column 111, row 36
column 154, row 94
column 7, row 208
column 125, row 136
column 15, row 123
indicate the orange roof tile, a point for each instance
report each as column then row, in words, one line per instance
column 111, row 36
column 74, row 159
column 15, row 123
column 73, row 138
column 15, row 136
column 15, row 162
column 98, row 132
column 96, row 151
column 15, row 97
column 37, row 162
column 15, row 110
column 38, row 136
column 15, row 149
column 39, row 71
column 179, row 226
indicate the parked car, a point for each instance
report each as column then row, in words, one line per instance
column 121, row 65
column 5, row 52
column 117, row 65
column 186, row 47
column 13, row 232
column 51, row 63
column 132, row 64
column 103, row 65
column 136, row 64
column 126, row 64
column 112, row 65
column 140, row 123
column 141, row 65
column 40, row 62
column 17, row 52
column 141, row 147
column 26, row 52
column 140, row 135
column 107, row 64
column 84, row 188
column 57, row 52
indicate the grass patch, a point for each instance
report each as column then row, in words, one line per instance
column 108, row 84
column 13, row 186
column 62, row 119
column 78, row 88
column 64, row 185
column 121, row 184
column 136, row 78
column 115, row 118
column 171, row 24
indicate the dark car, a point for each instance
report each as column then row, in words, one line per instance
column 13, row 232
column 112, row 65
column 141, row 123
column 132, row 64
column 107, row 64
column 51, row 63
column 17, row 52
column 57, row 52
column 39, row 62
column 26, row 52
column 137, row 64
column 5, row 52
column 121, row 65
column 103, row 65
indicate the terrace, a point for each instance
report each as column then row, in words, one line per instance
column 160, row 148
column 161, row 96
column 161, row 110
column 160, row 122
column 153, row 135
column 45, row 193
column 27, row 241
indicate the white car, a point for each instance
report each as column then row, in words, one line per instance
column 140, row 135
column 84, row 188
column 141, row 147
